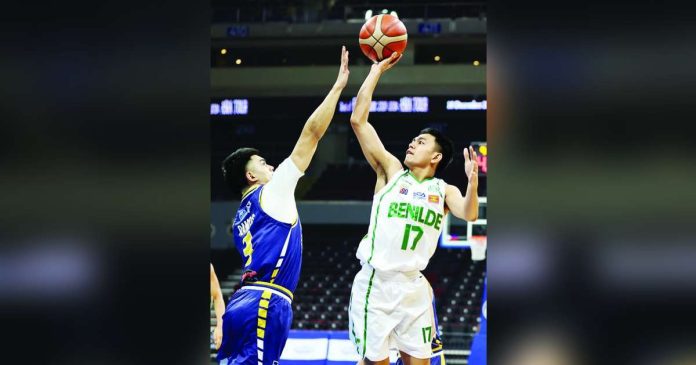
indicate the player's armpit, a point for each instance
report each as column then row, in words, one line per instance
column 381, row 179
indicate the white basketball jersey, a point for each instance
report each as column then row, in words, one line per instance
column 405, row 224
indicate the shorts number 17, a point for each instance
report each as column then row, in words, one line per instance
column 427, row 334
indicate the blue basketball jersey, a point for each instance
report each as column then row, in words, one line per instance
column 271, row 250
column 478, row 345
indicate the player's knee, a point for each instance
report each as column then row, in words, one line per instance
column 410, row 360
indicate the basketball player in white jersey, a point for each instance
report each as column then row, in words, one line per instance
column 391, row 301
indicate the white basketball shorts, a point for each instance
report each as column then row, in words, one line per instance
column 391, row 310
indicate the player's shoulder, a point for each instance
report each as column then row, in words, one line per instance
column 439, row 185
column 246, row 196
column 396, row 174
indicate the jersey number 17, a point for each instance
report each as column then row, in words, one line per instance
column 407, row 233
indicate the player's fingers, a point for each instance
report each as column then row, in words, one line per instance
column 466, row 155
column 475, row 156
column 396, row 59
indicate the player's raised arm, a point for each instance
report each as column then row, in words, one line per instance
column 465, row 207
column 219, row 304
column 319, row 121
column 373, row 149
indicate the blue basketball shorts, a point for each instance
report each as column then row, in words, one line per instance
column 256, row 325
column 478, row 350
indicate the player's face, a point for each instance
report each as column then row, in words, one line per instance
column 421, row 151
column 258, row 171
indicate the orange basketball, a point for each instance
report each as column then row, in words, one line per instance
column 381, row 36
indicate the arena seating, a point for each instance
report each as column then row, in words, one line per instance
column 318, row 11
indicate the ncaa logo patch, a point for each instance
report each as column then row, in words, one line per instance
column 418, row 195
column 242, row 213
column 435, row 189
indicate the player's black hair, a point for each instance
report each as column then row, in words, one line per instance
column 234, row 168
column 445, row 146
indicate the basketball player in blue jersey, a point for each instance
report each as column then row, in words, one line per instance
column 478, row 346
column 218, row 305
column 268, row 235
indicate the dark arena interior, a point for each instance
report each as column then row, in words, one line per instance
column 272, row 62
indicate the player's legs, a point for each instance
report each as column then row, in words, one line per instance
column 478, row 350
column 255, row 328
column 410, row 360
column 238, row 329
column 370, row 317
column 275, row 327
column 380, row 362
column 416, row 330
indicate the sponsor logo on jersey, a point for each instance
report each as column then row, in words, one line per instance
column 403, row 191
column 433, row 198
column 418, row 195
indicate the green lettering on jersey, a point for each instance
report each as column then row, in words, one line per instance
column 430, row 218
column 415, row 213
column 402, row 210
column 420, row 215
column 438, row 220
column 392, row 210
column 412, row 212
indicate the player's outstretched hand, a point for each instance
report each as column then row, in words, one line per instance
column 343, row 71
column 471, row 165
column 387, row 63
column 217, row 336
